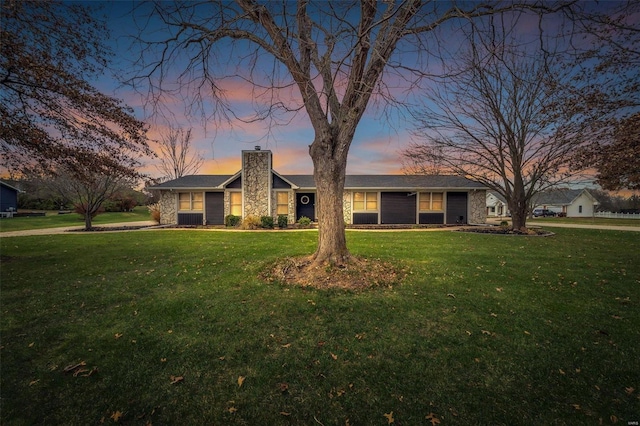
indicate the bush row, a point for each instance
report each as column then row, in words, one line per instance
column 263, row 222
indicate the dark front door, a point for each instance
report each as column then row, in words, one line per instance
column 306, row 205
column 456, row 208
column 214, row 206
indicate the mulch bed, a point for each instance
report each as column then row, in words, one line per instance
column 109, row 228
column 500, row 230
column 356, row 275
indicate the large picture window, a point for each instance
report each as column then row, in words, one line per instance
column 190, row 201
column 365, row 201
column 235, row 203
column 282, row 202
column 431, row 201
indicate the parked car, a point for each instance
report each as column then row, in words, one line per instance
column 543, row 213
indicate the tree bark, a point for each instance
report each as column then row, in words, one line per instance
column 87, row 220
column 330, row 163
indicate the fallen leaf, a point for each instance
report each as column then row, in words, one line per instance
column 221, row 358
column 468, row 332
column 176, row 379
column 629, row 390
column 117, row 335
column 284, row 413
column 576, row 406
column 33, row 382
column 527, row 333
column 334, row 356
column 613, row 419
column 453, row 296
column 433, row 419
column 287, row 345
column 284, row 387
column 389, row 417
column 499, row 289
column 31, row 344
column 494, row 315
column 241, row 380
column 72, row 367
column 561, row 371
column 116, row 416
column 163, row 360
column 486, row 332
column 232, row 410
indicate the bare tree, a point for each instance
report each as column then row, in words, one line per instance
column 49, row 111
column 176, row 156
column 337, row 56
column 89, row 191
column 499, row 119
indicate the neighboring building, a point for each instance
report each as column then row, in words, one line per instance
column 569, row 202
column 258, row 190
column 496, row 205
column 8, row 199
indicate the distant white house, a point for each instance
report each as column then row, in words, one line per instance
column 569, row 202
column 496, row 205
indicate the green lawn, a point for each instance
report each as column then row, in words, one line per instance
column 176, row 328
column 55, row 220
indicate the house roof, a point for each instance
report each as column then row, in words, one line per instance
column 5, row 184
column 560, row 197
column 397, row 182
column 497, row 196
column 195, row 182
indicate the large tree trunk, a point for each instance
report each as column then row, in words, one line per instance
column 329, row 173
column 518, row 205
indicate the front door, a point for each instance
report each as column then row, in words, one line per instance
column 306, row 205
column 456, row 208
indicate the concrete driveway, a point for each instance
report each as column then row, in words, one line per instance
column 62, row 230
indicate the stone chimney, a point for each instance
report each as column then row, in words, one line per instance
column 256, row 182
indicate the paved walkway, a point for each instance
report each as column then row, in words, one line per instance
column 62, row 230
column 586, row 226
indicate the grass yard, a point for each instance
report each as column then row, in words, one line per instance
column 55, row 220
column 174, row 327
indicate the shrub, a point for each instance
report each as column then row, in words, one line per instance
column 266, row 222
column 504, row 224
column 304, row 222
column 231, row 220
column 251, row 222
column 82, row 209
column 283, row 221
column 154, row 209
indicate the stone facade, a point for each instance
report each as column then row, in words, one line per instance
column 256, row 183
column 346, row 207
column 477, row 206
column 168, row 208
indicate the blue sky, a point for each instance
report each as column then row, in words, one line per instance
column 375, row 148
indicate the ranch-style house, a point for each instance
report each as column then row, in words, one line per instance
column 258, row 190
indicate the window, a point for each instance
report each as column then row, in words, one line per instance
column 431, row 201
column 190, row 201
column 365, row 201
column 282, row 202
column 579, row 209
column 235, row 203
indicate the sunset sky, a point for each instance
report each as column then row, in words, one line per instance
column 375, row 148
